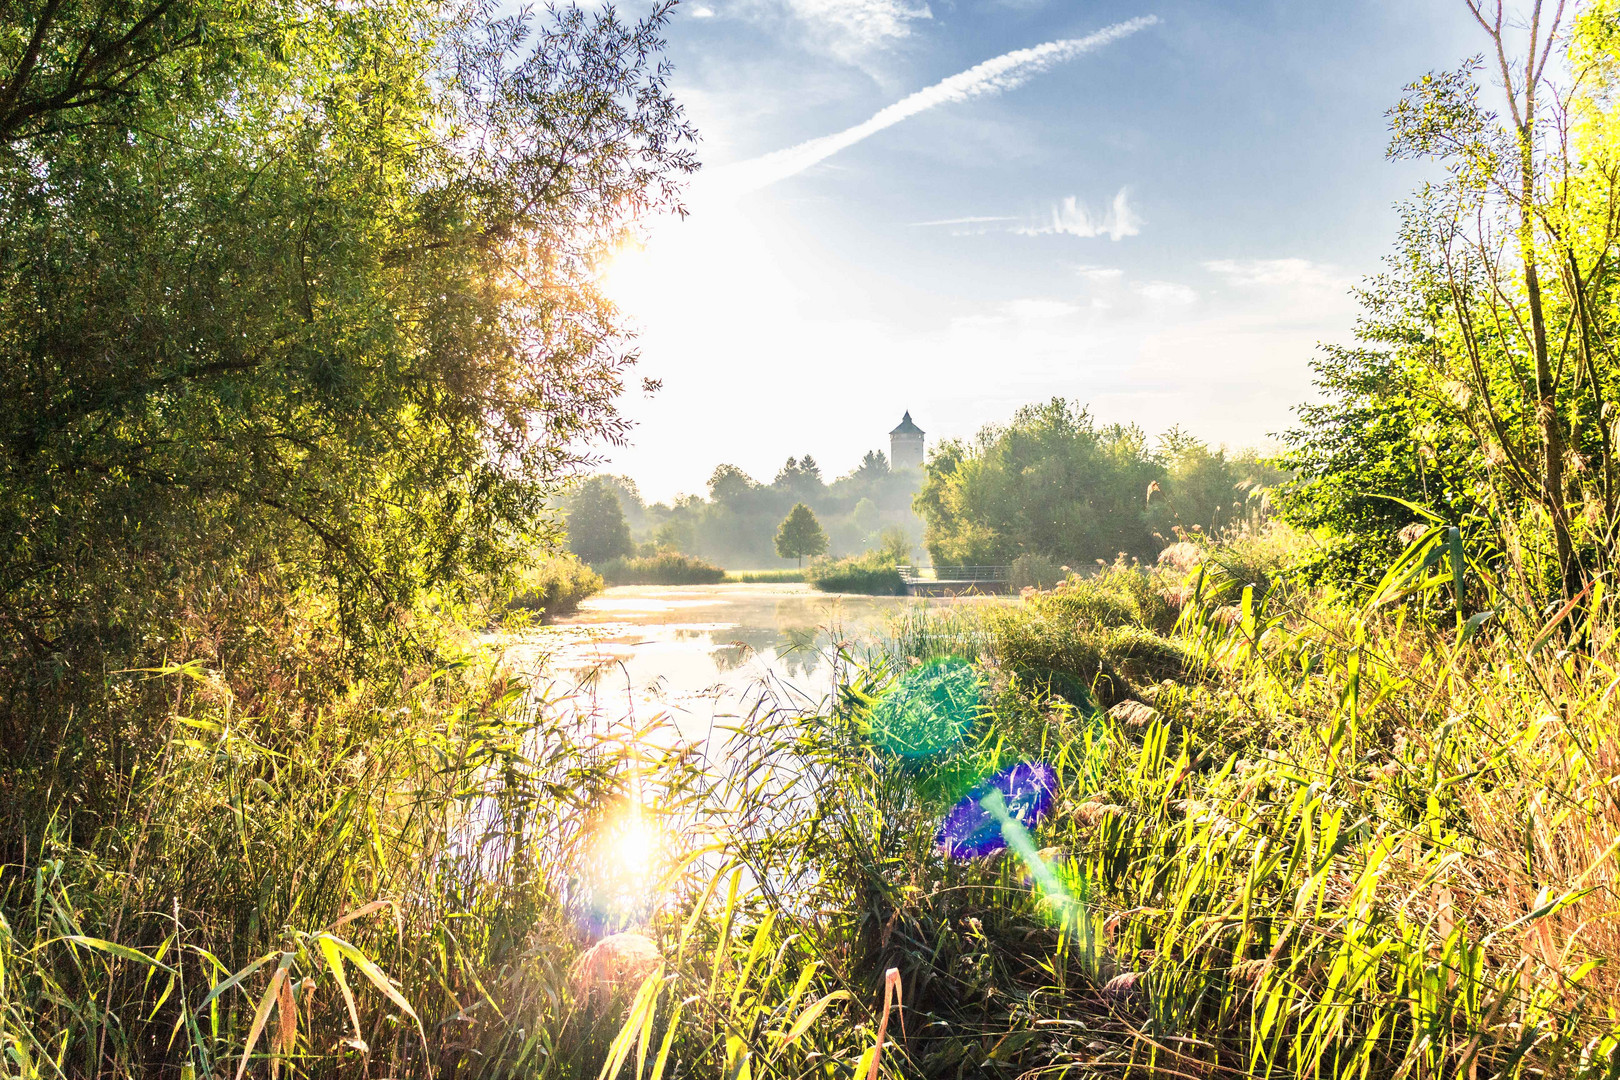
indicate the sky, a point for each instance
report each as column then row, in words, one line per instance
column 957, row 207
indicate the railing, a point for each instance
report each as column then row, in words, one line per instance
column 912, row 575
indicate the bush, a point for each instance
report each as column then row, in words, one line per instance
column 873, row 573
column 1142, row 656
column 1088, row 603
column 664, row 568
column 1044, row 645
column 555, row 586
column 856, row 574
column 1036, row 572
column 1261, row 558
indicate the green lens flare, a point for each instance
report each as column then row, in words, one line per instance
column 930, row 709
column 1066, row 906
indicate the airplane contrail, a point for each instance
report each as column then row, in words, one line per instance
column 993, row 76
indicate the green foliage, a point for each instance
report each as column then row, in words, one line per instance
column 305, row 303
column 800, row 534
column 1379, row 440
column 1482, row 391
column 1283, row 810
column 554, row 586
column 597, row 532
column 873, row 573
column 664, row 568
column 930, row 709
column 765, row 577
column 1036, row 572
column 1054, row 485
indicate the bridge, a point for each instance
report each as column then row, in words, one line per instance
column 956, row 580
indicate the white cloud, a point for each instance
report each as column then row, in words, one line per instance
column 702, row 11
column 1165, row 292
column 995, row 76
column 1070, row 218
column 1100, row 273
column 853, row 27
column 981, row 219
column 1033, row 308
column 1278, row 273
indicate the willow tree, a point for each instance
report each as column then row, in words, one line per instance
column 303, row 296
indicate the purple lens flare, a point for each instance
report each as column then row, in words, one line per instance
column 972, row 829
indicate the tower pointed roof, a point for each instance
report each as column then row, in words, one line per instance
column 907, row 427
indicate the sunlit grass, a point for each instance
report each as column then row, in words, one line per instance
column 1337, row 842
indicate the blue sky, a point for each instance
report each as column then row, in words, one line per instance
column 1161, row 221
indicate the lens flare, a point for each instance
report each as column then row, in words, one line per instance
column 625, row 861
column 931, row 708
column 979, row 824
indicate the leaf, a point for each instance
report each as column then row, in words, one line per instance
column 367, row 909
column 384, row 984
column 669, row 1039
column 236, row 979
column 334, row 960
column 1552, row 624
column 287, row 1023
column 262, row 1013
column 809, row 1015
column 1475, row 621
column 123, row 952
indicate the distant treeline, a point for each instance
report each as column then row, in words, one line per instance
column 736, row 525
column 1050, row 487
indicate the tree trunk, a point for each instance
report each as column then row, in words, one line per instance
column 1552, row 437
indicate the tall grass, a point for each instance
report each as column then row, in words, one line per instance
column 1292, row 838
column 787, row 576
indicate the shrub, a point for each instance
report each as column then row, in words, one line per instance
column 664, row 568
column 874, row 573
column 555, row 586
column 1089, row 603
column 1045, row 645
column 1142, row 656
column 856, row 574
column 1036, row 572
column 1261, row 558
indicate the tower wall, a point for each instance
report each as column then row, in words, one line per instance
column 906, row 451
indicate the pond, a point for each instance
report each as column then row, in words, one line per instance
column 704, row 654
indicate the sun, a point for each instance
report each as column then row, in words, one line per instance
column 625, row 863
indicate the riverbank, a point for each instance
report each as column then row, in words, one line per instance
column 1248, row 828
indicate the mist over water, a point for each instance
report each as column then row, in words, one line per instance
column 701, row 655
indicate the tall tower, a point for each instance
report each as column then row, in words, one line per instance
column 906, row 445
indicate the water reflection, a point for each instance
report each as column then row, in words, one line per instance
column 697, row 654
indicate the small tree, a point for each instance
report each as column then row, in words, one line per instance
column 596, row 527
column 800, row 534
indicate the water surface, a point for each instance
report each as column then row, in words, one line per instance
column 703, row 654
